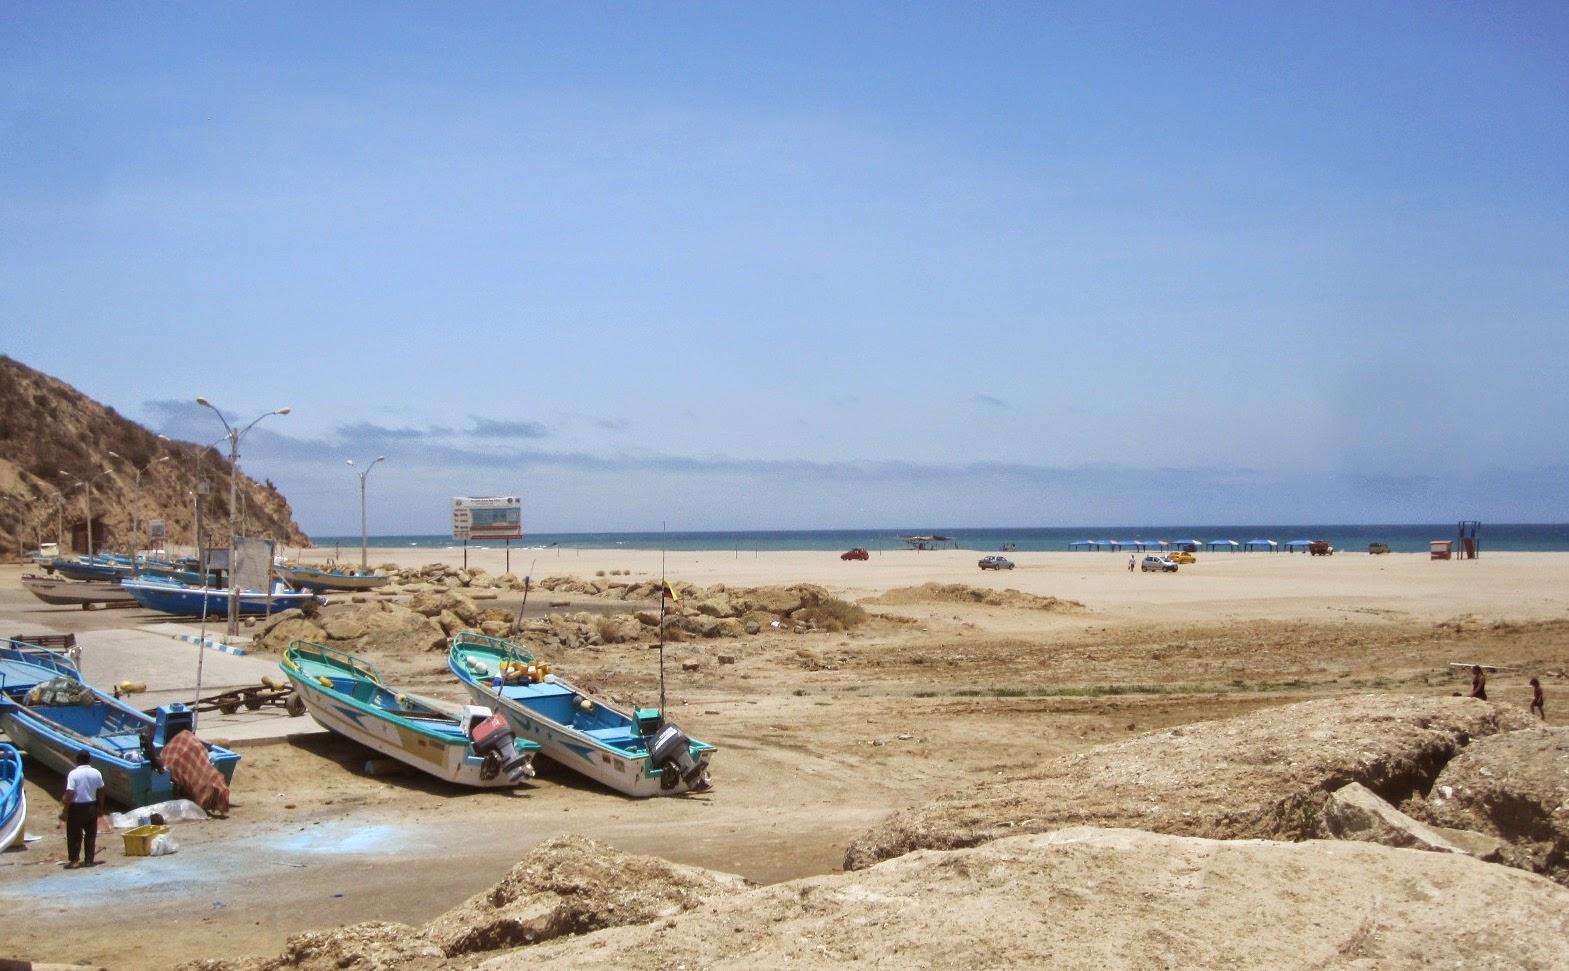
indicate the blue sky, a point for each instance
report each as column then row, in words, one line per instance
column 800, row 266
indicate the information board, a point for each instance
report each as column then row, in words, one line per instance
column 491, row 517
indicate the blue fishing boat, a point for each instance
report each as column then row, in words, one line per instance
column 170, row 597
column 639, row 754
column 90, row 567
column 345, row 694
column 13, row 797
column 51, row 714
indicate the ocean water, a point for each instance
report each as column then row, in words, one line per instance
column 1406, row 538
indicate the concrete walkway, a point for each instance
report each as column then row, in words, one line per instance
column 167, row 667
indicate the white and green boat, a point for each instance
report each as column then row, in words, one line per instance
column 345, row 694
column 635, row 753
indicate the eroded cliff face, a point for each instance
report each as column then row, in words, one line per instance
column 47, row 426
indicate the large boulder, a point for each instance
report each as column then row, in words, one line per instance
column 445, row 601
column 1265, row 775
column 1514, row 786
column 1355, row 812
column 283, row 629
column 389, row 628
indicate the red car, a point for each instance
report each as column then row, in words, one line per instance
column 855, row 554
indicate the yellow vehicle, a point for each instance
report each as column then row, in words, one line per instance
column 1182, row 556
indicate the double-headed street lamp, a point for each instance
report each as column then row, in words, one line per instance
column 362, row 474
column 234, row 470
column 88, row 486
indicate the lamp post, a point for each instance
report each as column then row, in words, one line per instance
column 362, row 474
column 234, row 470
column 136, row 498
column 22, row 501
column 88, row 486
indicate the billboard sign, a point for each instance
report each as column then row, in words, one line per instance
column 493, row 517
column 157, row 531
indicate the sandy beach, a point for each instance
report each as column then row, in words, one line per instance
column 821, row 734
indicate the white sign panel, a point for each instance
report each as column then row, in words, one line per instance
column 492, row 517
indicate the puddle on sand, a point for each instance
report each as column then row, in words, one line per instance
column 204, row 868
column 342, row 838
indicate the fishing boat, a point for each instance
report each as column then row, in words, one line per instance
column 77, row 593
column 51, row 714
column 13, row 797
column 345, row 694
column 170, row 597
column 90, row 567
column 311, row 578
column 635, row 753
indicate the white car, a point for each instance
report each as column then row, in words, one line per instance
column 1159, row 564
column 996, row 563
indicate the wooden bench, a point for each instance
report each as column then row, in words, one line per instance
column 64, row 643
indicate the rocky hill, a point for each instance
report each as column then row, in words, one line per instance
column 47, row 426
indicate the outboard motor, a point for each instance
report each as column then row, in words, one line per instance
column 671, row 751
column 493, row 738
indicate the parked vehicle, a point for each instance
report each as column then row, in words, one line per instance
column 1182, row 556
column 1159, row 564
column 1321, row 547
column 1378, row 549
column 996, row 563
column 855, row 554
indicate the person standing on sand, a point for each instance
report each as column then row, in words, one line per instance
column 1536, row 700
column 1130, row 564
column 1478, row 683
column 83, row 804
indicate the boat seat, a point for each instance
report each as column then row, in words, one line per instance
column 614, row 735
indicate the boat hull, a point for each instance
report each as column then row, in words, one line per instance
column 340, row 582
column 78, row 593
column 443, row 752
column 13, row 797
column 625, row 767
column 169, row 598
column 84, row 570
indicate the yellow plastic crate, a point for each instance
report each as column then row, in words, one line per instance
column 139, row 841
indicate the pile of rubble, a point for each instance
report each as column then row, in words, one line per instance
column 422, row 616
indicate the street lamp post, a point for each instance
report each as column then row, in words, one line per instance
column 364, row 565
column 22, row 502
column 234, row 471
column 136, row 497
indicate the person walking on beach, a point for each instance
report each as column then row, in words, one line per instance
column 83, row 804
column 1536, row 700
column 1130, row 564
column 1478, row 683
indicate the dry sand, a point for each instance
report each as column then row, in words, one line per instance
column 822, row 736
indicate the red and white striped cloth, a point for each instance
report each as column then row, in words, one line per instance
column 186, row 759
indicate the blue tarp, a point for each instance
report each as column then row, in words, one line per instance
column 1267, row 544
column 1231, row 543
